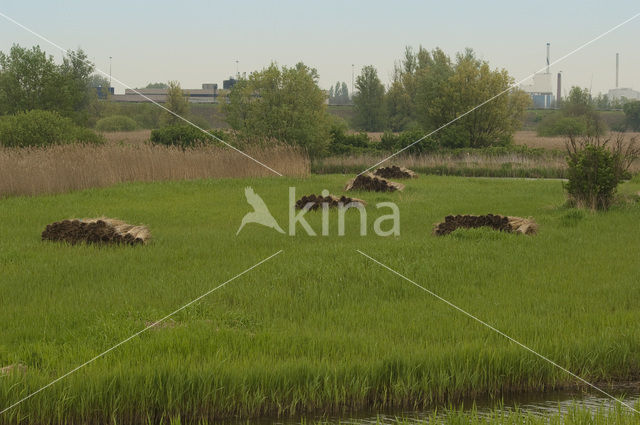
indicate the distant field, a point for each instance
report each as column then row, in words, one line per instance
column 319, row 328
column 532, row 140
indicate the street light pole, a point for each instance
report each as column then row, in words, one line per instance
column 352, row 73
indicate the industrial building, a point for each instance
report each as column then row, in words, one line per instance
column 622, row 93
column 541, row 88
column 209, row 93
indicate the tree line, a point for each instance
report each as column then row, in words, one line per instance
column 430, row 89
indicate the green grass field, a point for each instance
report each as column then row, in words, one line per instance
column 319, row 328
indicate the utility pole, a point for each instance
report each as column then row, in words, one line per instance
column 352, row 74
column 109, row 88
column 237, row 70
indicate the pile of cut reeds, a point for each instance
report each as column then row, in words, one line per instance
column 96, row 231
column 372, row 183
column 526, row 226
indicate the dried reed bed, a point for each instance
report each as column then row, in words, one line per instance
column 136, row 137
column 468, row 161
column 56, row 169
column 532, row 140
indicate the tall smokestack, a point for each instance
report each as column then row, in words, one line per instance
column 559, row 92
column 548, row 55
column 617, row 68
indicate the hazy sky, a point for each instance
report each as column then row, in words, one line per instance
column 199, row 41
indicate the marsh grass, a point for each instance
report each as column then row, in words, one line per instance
column 546, row 165
column 56, row 169
column 574, row 415
column 319, row 329
column 550, row 163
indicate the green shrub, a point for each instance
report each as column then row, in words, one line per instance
column 396, row 141
column 593, row 177
column 116, row 123
column 342, row 143
column 560, row 125
column 185, row 136
column 42, row 128
column 632, row 115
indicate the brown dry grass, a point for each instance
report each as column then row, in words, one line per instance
column 466, row 160
column 136, row 137
column 32, row 171
column 532, row 140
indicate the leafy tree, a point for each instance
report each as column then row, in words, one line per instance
column 632, row 114
column 157, row 86
column 446, row 91
column 98, row 80
column 284, row 104
column 76, row 72
column 430, row 90
column 577, row 117
column 339, row 94
column 177, row 102
column 578, row 103
column 368, row 103
column 29, row 79
column 602, row 102
column 344, row 94
column 402, row 109
column 399, row 107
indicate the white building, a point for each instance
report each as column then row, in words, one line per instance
column 541, row 90
column 629, row 94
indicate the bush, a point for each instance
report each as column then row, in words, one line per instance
column 559, row 125
column 42, row 128
column 395, row 142
column 632, row 115
column 116, row 123
column 146, row 115
column 592, row 177
column 595, row 169
column 346, row 144
column 185, row 136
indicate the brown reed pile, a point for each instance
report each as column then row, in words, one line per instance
column 96, row 231
column 372, row 183
column 525, row 226
column 395, row 172
column 55, row 169
column 314, row 202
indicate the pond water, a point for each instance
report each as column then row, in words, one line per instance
column 541, row 404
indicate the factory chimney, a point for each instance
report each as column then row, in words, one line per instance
column 559, row 92
column 617, row 68
column 548, row 53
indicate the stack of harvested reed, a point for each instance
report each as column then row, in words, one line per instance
column 395, row 172
column 372, row 183
column 526, row 226
column 313, row 202
column 96, row 230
